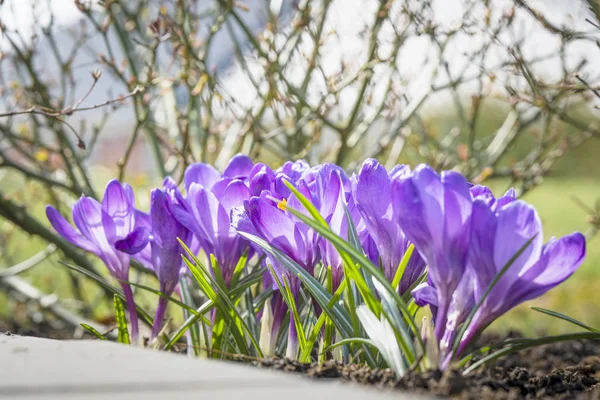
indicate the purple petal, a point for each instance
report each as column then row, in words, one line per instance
column 144, row 257
column 457, row 206
column 66, row 230
column 201, row 174
column 169, row 184
column 234, row 195
column 425, row 295
column 166, row 250
column 211, row 217
column 239, row 167
column 399, row 171
column 372, row 191
column 93, row 223
column 241, row 222
column 482, row 193
column 87, row 216
column 560, row 259
column 508, row 198
column 135, row 242
column 261, row 178
column 276, row 227
column 430, row 200
column 483, row 237
column 518, row 222
column 408, row 207
column 119, row 205
column 142, row 220
column 219, row 187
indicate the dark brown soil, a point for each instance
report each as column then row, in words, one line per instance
column 562, row 370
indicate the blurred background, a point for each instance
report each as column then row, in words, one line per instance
column 506, row 92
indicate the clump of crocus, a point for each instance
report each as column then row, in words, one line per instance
column 483, row 255
column 112, row 231
column 467, row 237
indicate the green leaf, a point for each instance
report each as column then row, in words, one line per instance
column 189, row 322
column 93, row 331
column 342, row 246
column 192, row 320
column 349, row 341
column 217, row 272
column 320, row 294
column 165, row 296
column 220, row 297
column 385, row 339
column 239, row 268
column 328, row 337
column 123, row 336
column 222, row 308
column 316, row 330
column 402, row 267
column 565, row 318
column 286, row 293
column 352, row 231
column 142, row 314
column 186, row 296
column 498, row 276
column 394, row 317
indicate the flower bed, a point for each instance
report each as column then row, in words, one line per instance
column 313, row 264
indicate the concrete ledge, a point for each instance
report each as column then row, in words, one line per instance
column 32, row 368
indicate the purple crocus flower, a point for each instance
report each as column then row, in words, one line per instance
column 206, row 209
column 265, row 217
column 165, row 248
column 112, row 231
column 372, row 192
column 435, row 214
column 291, row 171
column 473, row 239
column 330, row 191
column 498, row 232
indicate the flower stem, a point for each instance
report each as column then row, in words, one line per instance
column 158, row 318
column 292, row 345
column 133, row 317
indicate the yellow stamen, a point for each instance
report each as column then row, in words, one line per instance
column 282, row 205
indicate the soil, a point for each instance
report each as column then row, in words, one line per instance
column 569, row 370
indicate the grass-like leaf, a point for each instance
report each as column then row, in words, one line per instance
column 192, row 321
column 186, row 297
column 349, row 341
column 335, row 311
column 402, row 267
column 220, row 297
column 93, row 331
column 316, row 330
column 165, row 296
column 343, row 247
column 123, row 336
column 382, row 334
column 142, row 314
column 565, row 318
column 188, row 323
